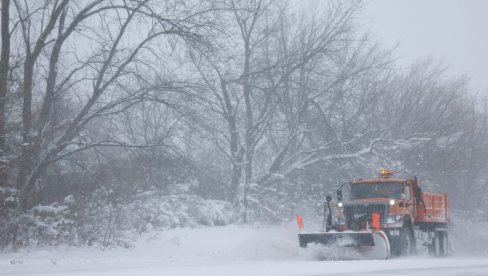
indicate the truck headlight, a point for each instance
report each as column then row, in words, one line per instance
column 393, row 219
column 339, row 214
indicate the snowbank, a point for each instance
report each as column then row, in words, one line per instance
column 182, row 245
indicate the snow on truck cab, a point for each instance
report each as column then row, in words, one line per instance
column 392, row 211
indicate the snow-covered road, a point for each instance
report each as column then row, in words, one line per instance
column 416, row 267
column 229, row 250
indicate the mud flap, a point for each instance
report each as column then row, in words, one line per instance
column 337, row 239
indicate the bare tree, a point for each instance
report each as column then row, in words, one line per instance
column 4, row 69
column 271, row 61
column 106, row 70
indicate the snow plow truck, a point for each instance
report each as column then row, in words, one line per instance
column 391, row 213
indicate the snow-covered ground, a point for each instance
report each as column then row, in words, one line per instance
column 230, row 250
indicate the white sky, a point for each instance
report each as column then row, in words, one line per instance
column 454, row 31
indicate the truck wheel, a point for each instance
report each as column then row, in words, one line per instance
column 433, row 246
column 407, row 241
column 443, row 243
column 440, row 245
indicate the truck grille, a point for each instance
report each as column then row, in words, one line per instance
column 355, row 210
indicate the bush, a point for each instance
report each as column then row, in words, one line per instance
column 119, row 223
column 46, row 225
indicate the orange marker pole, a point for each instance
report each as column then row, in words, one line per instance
column 299, row 222
column 376, row 221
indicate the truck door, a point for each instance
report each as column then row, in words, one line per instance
column 409, row 201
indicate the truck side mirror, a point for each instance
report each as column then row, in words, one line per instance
column 328, row 198
column 327, row 224
column 339, row 195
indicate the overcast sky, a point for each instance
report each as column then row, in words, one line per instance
column 455, row 31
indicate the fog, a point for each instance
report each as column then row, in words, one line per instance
column 123, row 119
column 450, row 31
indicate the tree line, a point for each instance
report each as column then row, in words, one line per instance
column 259, row 103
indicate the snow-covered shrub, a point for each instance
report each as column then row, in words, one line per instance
column 108, row 217
column 117, row 222
column 8, row 205
column 46, row 225
column 160, row 211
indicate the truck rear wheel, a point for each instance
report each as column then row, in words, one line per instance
column 433, row 245
column 443, row 244
column 440, row 244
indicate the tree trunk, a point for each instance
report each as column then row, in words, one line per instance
column 25, row 162
column 4, row 66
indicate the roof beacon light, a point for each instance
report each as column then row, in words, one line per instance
column 384, row 173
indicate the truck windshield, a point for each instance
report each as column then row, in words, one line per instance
column 377, row 190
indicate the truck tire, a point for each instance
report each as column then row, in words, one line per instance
column 440, row 244
column 407, row 242
column 432, row 248
column 443, row 244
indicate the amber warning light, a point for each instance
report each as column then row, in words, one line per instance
column 384, row 173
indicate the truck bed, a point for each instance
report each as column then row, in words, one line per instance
column 434, row 208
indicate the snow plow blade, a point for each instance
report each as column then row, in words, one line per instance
column 338, row 239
